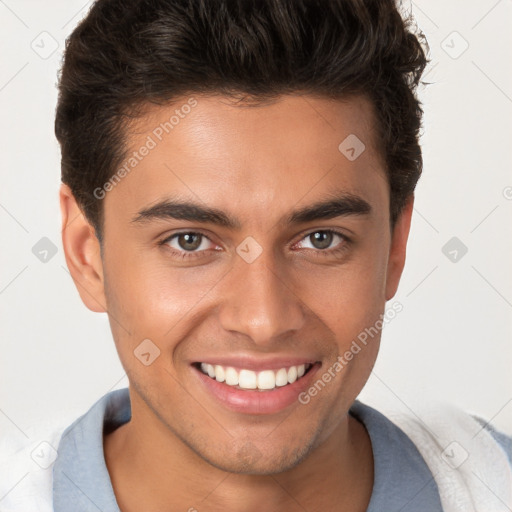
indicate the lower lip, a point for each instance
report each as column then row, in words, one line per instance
column 254, row 401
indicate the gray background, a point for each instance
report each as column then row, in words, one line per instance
column 452, row 341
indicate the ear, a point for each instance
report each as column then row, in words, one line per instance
column 82, row 252
column 396, row 260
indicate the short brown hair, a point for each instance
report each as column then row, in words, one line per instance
column 128, row 53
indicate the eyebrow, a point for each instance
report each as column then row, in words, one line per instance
column 341, row 205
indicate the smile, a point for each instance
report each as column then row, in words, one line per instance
column 264, row 380
column 251, row 385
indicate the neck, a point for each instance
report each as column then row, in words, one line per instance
column 158, row 471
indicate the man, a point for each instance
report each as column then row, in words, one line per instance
column 238, row 183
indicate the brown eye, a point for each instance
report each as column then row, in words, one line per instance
column 321, row 239
column 324, row 241
column 189, row 241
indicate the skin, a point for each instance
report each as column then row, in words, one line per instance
column 182, row 450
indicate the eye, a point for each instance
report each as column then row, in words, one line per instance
column 322, row 239
column 188, row 241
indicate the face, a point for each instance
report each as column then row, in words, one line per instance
column 246, row 244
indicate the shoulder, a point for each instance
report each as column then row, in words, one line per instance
column 26, row 463
column 503, row 439
column 402, row 479
column 449, row 425
column 455, row 432
column 470, row 459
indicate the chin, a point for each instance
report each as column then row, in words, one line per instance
column 248, row 459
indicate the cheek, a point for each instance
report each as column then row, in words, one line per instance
column 153, row 299
column 150, row 297
column 351, row 297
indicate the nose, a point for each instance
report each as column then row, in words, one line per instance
column 259, row 301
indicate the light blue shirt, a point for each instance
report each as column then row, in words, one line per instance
column 81, row 482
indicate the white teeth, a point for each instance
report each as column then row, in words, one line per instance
column 292, row 374
column 231, row 377
column 266, row 379
column 282, row 377
column 219, row 373
column 248, row 379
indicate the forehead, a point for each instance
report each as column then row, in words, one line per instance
column 250, row 158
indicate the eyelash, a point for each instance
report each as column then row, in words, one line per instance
column 337, row 250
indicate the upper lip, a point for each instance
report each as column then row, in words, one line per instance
column 256, row 363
